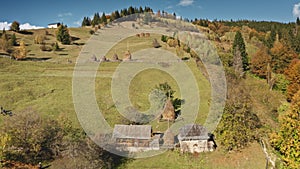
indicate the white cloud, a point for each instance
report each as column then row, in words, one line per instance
column 28, row 26
column 169, row 7
column 6, row 26
column 296, row 10
column 64, row 14
column 77, row 23
column 186, row 2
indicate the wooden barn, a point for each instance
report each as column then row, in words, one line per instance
column 194, row 138
column 135, row 138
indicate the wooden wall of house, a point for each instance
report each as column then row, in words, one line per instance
column 198, row 146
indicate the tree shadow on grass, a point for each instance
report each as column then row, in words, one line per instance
column 36, row 59
column 73, row 38
column 25, row 32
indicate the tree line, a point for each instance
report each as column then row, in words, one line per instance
column 103, row 19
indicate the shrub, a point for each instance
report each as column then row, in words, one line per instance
column 172, row 42
column 55, row 46
column 39, row 39
column 92, row 32
column 164, row 38
column 45, row 48
column 21, row 52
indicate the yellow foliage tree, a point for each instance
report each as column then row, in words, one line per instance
column 21, row 52
column 281, row 57
column 286, row 140
column 259, row 62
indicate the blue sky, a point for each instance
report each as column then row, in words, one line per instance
column 71, row 12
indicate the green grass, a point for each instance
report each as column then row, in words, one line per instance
column 46, row 87
column 249, row 158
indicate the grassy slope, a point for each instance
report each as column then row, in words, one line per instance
column 47, row 88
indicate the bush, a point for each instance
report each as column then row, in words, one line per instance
column 164, row 38
column 21, row 52
column 55, row 46
column 39, row 39
column 172, row 42
column 15, row 26
column 45, row 48
column 281, row 83
column 92, row 32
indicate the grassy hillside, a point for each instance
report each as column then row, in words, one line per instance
column 45, row 86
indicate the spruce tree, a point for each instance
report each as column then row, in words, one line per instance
column 239, row 45
column 13, row 40
column 63, row 35
column 103, row 18
column 117, row 14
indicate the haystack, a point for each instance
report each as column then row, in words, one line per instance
column 103, row 59
column 127, row 56
column 94, row 58
column 169, row 111
column 115, row 57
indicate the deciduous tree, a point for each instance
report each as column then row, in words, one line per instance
column 286, row 140
column 15, row 26
column 281, row 57
column 293, row 75
column 239, row 125
column 259, row 62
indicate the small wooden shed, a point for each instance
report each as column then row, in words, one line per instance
column 194, row 138
column 135, row 138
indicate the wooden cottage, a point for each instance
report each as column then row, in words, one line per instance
column 194, row 138
column 135, row 138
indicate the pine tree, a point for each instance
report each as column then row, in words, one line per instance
column 96, row 19
column 239, row 45
column 117, row 14
column 13, row 40
column 86, row 22
column 62, row 35
column 130, row 10
column 270, row 39
column 298, row 21
column 141, row 10
column 103, row 18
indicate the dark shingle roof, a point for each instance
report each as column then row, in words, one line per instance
column 193, row 132
column 132, row 131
